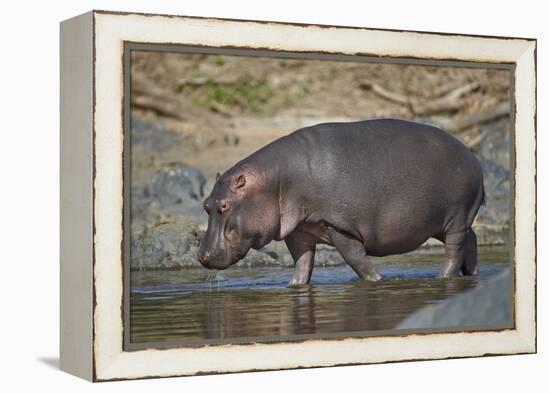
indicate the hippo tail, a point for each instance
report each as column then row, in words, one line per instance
column 482, row 186
column 477, row 206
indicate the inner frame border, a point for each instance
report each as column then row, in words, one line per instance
column 129, row 46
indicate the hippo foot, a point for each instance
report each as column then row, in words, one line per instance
column 366, row 271
column 448, row 270
column 299, row 279
column 446, row 275
column 374, row 276
column 297, row 284
column 475, row 272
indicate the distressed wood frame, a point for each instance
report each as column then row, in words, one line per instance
column 92, row 189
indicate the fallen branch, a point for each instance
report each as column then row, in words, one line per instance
column 441, row 90
column 148, row 96
column 421, row 107
column 484, row 116
column 141, row 85
column 449, row 102
column 159, row 105
column 384, row 93
column 473, row 142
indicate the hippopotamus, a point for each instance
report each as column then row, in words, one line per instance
column 368, row 188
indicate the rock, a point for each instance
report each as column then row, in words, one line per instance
column 495, row 146
column 492, row 221
column 257, row 258
column 496, row 210
column 172, row 245
column 488, row 304
column 161, row 190
column 167, row 245
column 327, row 256
column 177, row 183
column 173, row 192
column 149, row 136
column 491, row 235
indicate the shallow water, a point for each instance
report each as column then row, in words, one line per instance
column 184, row 306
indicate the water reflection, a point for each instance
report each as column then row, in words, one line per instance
column 186, row 305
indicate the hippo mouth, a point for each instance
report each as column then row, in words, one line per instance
column 215, row 264
column 226, row 242
column 221, row 260
column 237, row 253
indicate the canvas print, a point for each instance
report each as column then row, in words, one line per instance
column 282, row 198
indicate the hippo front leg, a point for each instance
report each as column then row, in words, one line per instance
column 354, row 253
column 302, row 250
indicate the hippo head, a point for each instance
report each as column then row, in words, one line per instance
column 243, row 213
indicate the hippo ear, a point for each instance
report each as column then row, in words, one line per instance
column 238, row 182
column 217, row 176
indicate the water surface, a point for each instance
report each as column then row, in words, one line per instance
column 193, row 304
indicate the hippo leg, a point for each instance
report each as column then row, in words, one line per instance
column 469, row 267
column 454, row 252
column 302, row 249
column 354, row 253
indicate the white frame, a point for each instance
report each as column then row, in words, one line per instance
column 91, row 319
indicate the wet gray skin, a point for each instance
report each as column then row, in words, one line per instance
column 369, row 188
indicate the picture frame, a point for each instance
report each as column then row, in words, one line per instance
column 94, row 114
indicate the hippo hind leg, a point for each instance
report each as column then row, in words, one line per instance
column 454, row 254
column 460, row 253
column 354, row 253
column 469, row 267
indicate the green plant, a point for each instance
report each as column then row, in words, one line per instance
column 247, row 94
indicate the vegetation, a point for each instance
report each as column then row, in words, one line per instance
column 246, row 94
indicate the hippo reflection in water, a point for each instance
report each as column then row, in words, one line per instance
column 374, row 187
